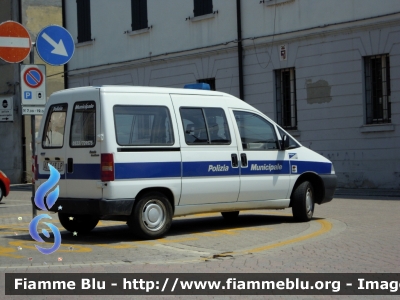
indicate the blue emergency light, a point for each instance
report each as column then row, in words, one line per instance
column 197, row 86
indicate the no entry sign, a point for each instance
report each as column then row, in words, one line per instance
column 15, row 42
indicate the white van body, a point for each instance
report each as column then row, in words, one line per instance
column 175, row 152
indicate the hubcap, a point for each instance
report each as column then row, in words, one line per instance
column 309, row 201
column 153, row 215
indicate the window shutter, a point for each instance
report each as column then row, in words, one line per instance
column 202, row 7
column 197, row 8
column 84, row 23
column 139, row 14
column 207, row 7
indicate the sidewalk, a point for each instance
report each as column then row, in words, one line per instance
column 367, row 192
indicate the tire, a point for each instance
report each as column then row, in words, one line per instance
column 79, row 223
column 230, row 215
column 151, row 216
column 1, row 193
column 303, row 202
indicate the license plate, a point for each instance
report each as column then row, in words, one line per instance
column 59, row 165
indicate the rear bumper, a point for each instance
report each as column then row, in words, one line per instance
column 97, row 207
column 330, row 182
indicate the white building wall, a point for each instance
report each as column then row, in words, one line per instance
column 326, row 44
column 170, row 31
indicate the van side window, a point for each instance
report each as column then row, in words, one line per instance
column 53, row 136
column 256, row 133
column 83, row 125
column 292, row 143
column 143, row 125
column 205, row 126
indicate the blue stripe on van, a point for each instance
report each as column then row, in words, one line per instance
column 209, row 168
column 147, row 170
column 312, row 166
column 193, row 169
column 85, row 171
column 81, row 171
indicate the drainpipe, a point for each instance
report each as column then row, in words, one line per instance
column 64, row 25
column 240, row 49
column 24, row 170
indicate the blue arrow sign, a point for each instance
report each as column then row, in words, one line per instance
column 55, row 45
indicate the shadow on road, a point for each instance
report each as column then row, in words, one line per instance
column 180, row 228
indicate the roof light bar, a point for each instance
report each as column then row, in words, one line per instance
column 198, row 86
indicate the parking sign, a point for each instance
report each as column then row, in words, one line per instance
column 33, row 84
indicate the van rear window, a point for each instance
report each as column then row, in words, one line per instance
column 143, row 125
column 53, row 136
column 83, row 125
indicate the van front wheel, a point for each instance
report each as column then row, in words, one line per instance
column 303, row 202
column 151, row 217
column 77, row 223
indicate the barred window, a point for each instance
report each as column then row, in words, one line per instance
column 286, row 106
column 377, row 89
column 83, row 16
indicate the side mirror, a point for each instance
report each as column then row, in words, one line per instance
column 285, row 142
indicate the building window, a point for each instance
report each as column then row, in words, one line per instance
column 210, row 81
column 377, row 89
column 286, row 106
column 202, row 7
column 84, row 27
column 139, row 14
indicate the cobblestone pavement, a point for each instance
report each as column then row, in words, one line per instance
column 355, row 233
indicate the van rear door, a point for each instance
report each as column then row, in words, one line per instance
column 51, row 147
column 83, row 139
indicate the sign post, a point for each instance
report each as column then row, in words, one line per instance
column 15, row 42
column 33, row 141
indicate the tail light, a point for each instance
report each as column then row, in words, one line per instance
column 107, row 167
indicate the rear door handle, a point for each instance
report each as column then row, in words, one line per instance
column 70, row 165
column 243, row 158
column 234, row 159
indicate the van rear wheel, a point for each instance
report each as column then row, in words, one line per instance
column 303, row 202
column 151, row 217
column 77, row 223
column 230, row 215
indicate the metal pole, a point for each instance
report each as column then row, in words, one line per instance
column 33, row 141
column 240, row 48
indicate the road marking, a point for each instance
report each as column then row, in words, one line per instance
column 7, row 252
column 8, row 205
column 326, row 226
column 63, row 248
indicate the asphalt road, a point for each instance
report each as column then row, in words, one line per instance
column 355, row 233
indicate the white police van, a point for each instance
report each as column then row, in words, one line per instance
column 145, row 155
